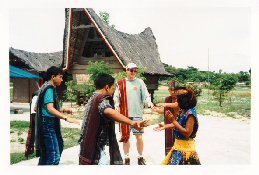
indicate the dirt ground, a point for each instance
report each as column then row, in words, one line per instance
column 17, row 145
column 219, row 141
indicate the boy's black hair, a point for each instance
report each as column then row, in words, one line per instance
column 187, row 100
column 53, row 70
column 102, row 80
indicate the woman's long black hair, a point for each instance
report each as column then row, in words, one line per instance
column 186, row 100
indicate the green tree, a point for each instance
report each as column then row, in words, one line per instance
column 96, row 68
column 222, row 85
column 244, row 77
column 70, row 92
column 84, row 91
column 105, row 17
column 81, row 92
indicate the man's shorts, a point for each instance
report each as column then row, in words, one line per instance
column 134, row 131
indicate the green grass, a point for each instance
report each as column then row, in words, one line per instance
column 78, row 115
column 18, row 157
column 237, row 102
column 70, row 137
column 19, row 125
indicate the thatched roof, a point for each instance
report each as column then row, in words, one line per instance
column 34, row 61
column 138, row 48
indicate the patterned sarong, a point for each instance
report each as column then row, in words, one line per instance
column 187, row 150
column 124, row 129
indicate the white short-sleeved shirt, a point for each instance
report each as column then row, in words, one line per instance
column 33, row 103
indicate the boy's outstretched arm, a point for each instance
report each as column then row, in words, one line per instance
column 122, row 119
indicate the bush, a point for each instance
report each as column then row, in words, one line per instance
column 70, row 92
column 96, row 68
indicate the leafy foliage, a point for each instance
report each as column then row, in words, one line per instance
column 196, row 89
column 140, row 73
column 120, row 75
column 105, row 16
column 222, row 85
column 96, row 68
column 70, row 92
column 243, row 76
column 85, row 89
column 75, row 91
column 192, row 74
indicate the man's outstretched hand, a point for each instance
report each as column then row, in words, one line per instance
column 138, row 125
column 159, row 127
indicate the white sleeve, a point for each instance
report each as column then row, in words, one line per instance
column 33, row 102
column 145, row 94
column 116, row 97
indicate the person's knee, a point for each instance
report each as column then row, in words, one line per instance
column 126, row 143
column 139, row 137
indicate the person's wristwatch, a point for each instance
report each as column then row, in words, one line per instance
column 65, row 118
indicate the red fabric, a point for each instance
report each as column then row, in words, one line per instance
column 29, row 146
column 41, row 82
column 125, row 131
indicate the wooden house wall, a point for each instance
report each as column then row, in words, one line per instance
column 23, row 89
column 81, row 65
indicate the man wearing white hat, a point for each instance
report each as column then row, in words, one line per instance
column 130, row 96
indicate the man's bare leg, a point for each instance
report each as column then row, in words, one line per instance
column 139, row 144
column 126, row 147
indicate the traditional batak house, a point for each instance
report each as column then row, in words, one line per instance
column 88, row 38
column 36, row 63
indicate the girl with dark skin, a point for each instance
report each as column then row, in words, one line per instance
column 186, row 126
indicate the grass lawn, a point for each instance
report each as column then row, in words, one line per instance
column 18, row 132
column 78, row 115
column 236, row 105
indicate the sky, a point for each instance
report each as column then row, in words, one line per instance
column 208, row 38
